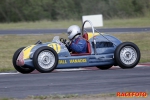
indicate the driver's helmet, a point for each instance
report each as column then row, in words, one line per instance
column 73, row 31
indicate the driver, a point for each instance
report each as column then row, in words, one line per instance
column 78, row 43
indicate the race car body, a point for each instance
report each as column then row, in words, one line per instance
column 103, row 51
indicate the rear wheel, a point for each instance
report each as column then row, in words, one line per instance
column 104, row 67
column 127, row 55
column 22, row 69
column 45, row 59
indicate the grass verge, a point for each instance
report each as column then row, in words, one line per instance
column 45, row 24
column 110, row 96
column 72, row 97
column 10, row 43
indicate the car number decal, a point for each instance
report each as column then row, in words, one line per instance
column 55, row 46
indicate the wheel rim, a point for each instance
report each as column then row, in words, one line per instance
column 128, row 55
column 46, row 59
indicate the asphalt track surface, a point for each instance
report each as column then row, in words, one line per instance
column 47, row 31
column 76, row 82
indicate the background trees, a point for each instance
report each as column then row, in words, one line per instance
column 32, row 10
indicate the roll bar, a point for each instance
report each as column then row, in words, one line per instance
column 94, row 41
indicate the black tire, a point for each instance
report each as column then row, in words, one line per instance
column 46, row 59
column 130, row 56
column 104, row 67
column 21, row 69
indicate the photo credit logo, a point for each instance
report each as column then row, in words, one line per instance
column 132, row 94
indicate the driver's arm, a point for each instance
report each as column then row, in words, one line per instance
column 78, row 47
column 67, row 44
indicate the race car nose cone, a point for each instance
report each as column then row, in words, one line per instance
column 20, row 60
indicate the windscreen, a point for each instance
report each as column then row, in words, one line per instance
column 56, row 39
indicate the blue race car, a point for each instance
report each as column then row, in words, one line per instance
column 103, row 51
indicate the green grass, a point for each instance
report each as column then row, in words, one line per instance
column 10, row 43
column 131, row 22
column 71, row 96
column 45, row 24
column 108, row 96
column 65, row 97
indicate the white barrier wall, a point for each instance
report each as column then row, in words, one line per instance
column 97, row 20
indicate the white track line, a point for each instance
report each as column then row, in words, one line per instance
column 71, row 69
column 8, row 73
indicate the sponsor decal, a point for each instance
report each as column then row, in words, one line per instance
column 71, row 61
column 62, row 61
column 131, row 94
column 78, row 61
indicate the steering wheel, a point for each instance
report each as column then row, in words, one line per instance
column 63, row 40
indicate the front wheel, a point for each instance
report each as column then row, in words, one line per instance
column 22, row 69
column 45, row 59
column 127, row 55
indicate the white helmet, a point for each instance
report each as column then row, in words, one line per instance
column 73, row 31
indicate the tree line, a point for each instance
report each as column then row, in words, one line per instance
column 33, row 10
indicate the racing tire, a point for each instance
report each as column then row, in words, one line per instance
column 45, row 59
column 104, row 67
column 21, row 69
column 127, row 55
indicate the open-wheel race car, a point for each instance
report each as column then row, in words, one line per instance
column 103, row 51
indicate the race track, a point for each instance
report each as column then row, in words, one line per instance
column 47, row 31
column 78, row 82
